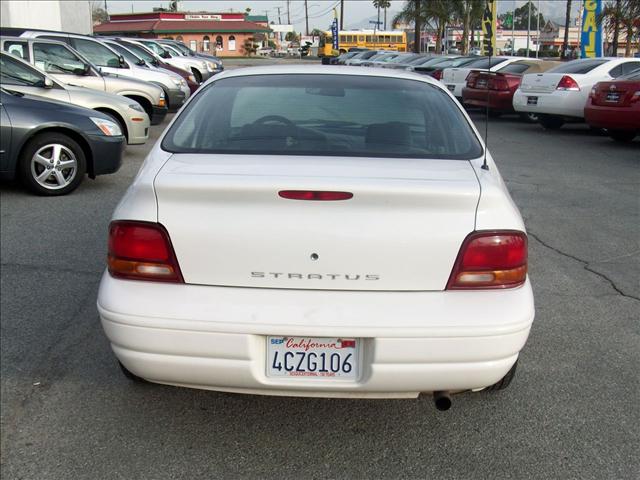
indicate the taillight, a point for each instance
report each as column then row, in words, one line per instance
column 490, row 259
column 471, row 79
column 498, row 83
column 437, row 74
column 635, row 97
column 593, row 93
column 142, row 251
column 315, row 195
column 568, row 83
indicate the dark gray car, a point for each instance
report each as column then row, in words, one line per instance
column 50, row 145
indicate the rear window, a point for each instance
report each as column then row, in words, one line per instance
column 323, row 115
column 577, row 66
column 515, row 68
column 487, row 62
column 635, row 75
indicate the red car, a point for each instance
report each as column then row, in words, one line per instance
column 615, row 106
column 496, row 89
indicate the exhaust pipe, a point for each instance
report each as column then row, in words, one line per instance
column 442, row 400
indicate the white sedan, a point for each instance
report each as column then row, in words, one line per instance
column 562, row 91
column 319, row 231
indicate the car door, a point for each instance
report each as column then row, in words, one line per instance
column 65, row 65
column 5, row 139
column 24, row 79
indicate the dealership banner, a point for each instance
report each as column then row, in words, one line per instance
column 334, row 33
column 591, row 31
column 489, row 21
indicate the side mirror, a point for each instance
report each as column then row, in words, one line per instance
column 122, row 63
column 48, row 83
column 141, row 63
column 165, row 54
column 80, row 71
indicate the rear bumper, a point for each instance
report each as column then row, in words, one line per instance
column 496, row 100
column 454, row 88
column 158, row 114
column 614, row 118
column 107, row 154
column 564, row 103
column 412, row 342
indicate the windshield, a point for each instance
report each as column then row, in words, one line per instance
column 184, row 50
column 342, row 115
column 128, row 56
column 13, row 72
column 577, row 66
column 141, row 52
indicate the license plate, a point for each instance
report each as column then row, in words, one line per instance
column 313, row 357
column 613, row 97
column 532, row 100
column 451, row 87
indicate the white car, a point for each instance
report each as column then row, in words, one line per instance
column 563, row 91
column 352, row 248
column 455, row 78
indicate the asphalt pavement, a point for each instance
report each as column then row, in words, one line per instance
column 572, row 412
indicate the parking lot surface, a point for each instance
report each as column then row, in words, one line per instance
column 572, row 411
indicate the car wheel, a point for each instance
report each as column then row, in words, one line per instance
column 52, row 164
column 550, row 122
column 530, row 117
column 131, row 376
column 623, row 135
column 505, row 381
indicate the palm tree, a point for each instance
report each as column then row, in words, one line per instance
column 412, row 12
column 384, row 4
column 567, row 21
column 469, row 12
column 621, row 14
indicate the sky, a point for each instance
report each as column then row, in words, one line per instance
column 356, row 12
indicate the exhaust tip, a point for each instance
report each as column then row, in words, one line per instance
column 442, row 401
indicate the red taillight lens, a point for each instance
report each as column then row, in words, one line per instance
column 437, row 74
column 471, row 79
column 635, row 97
column 315, row 195
column 495, row 259
column 568, row 83
column 593, row 93
column 142, row 251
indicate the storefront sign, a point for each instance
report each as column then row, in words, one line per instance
column 591, row 31
column 489, row 20
column 203, row 16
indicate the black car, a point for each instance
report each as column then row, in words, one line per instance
column 51, row 145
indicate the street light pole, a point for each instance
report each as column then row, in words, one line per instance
column 341, row 14
column 528, row 28
column 538, row 25
column 513, row 29
column 306, row 18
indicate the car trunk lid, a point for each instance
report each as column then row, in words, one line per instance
column 615, row 94
column 401, row 230
column 545, row 82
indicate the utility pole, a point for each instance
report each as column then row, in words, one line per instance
column 341, row 14
column 513, row 29
column 385, row 19
column 306, row 19
column 279, row 19
column 538, row 25
column 528, row 28
column 288, row 13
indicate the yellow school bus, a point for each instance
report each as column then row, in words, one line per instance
column 378, row 40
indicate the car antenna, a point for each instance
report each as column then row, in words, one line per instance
column 486, row 119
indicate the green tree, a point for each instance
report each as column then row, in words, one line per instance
column 521, row 17
column 621, row 15
column 469, row 12
column 382, row 4
column 249, row 46
column 291, row 37
column 567, row 22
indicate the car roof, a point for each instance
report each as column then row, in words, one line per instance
column 300, row 69
column 32, row 39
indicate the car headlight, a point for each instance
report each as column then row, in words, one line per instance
column 212, row 65
column 109, row 128
column 177, row 82
column 136, row 107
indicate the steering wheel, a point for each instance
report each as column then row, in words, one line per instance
column 274, row 118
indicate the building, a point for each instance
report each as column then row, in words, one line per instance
column 68, row 16
column 222, row 34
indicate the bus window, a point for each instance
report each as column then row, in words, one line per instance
column 368, row 38
column 342, row 38
column 360, row 38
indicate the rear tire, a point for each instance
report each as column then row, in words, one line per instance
column 131, row 376
column 550, row 122
column 506, row 380
column 623, row 136
column 57, row 154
